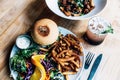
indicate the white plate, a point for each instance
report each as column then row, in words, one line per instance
column 71, row 77
column 99, row 6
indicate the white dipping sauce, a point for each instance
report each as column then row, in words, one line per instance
column 23, row 42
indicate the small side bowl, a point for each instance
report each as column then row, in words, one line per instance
column 27, row 40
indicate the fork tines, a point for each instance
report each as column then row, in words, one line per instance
column 88, row 59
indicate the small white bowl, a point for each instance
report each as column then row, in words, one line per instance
column 99, row 6
column 23, row 41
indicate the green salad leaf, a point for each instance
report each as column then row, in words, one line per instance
column 18, row 61
column 18, row 64
column 80, row 3
column 26, row 53
column 56, row 75
column 19, row 77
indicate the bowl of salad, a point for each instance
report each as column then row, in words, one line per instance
column 76, row 9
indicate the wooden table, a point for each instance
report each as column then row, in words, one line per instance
column 18, row 16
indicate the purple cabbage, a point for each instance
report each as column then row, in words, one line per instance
column 47, row 64
column 41, row 52
column 30, row 71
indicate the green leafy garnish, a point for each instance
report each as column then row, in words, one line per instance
column 19, row 77
column 109, row 30
column 18, row 64
column 56, row 75
column 80, row 3
column 26, row 53
column 18, row 61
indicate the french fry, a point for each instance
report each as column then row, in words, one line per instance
column 66, row 52
column 76, row 69
column 80, row 64
column 63, row 44
column 66, row 59
column 72, row 66
column 76, row 64
column 59, row 68
column 66, row 77
column 68, row 72
column 43, row 49
column 66, row 41
column 67, row 68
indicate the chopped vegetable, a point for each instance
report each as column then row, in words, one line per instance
column 36, row 61
column 18, row 64
column 21, row 64
column 49, row 64
column 56, row 75
column 36, row 75
column 30, row 70
column 27, row 53
column 19, row 77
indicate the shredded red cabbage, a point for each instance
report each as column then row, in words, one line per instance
column 30, row 71
column 47, row 64
column 41, row 52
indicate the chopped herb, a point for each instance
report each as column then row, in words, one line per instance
column 109, row 30
column 20, row 77
column 18, row 64
column 56, row 75
column 27, row 52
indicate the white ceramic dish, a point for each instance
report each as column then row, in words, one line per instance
column 71, row 77
column 99, row 6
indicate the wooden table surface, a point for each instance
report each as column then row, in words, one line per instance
column 18, row 16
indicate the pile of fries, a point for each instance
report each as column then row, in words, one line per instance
column 66, row 52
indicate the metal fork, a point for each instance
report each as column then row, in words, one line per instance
column 88, row 59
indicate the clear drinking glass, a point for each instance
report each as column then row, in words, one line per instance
column 98, row 28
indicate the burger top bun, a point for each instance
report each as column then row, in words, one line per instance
column 45, row 32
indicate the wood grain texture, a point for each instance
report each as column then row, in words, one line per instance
column 18, row 16
column 14, row 9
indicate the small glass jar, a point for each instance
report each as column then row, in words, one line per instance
column 98, row 28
